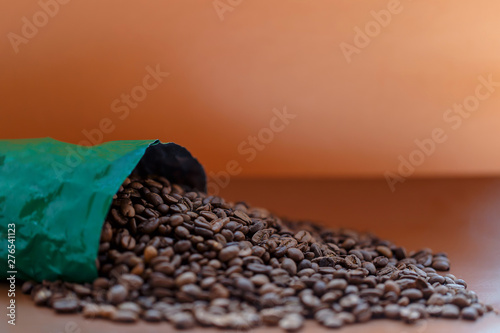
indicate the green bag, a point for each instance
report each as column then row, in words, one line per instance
column 54, row 198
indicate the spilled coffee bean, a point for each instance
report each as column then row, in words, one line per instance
column 171, row 254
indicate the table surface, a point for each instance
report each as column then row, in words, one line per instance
column 457, row 216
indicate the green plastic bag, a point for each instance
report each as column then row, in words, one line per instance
column 54, row 198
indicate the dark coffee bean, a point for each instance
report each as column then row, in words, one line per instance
column 291, row 322
column 131, row 281
column 127, row 242
column 124, row 316
column 182, row 232
column 450, row 311
column 244, row 284
column 412, row 294
column 182, row 246
column 149, row 226
column 295, row 254
column 150, row 252
column 392, row 311
column 229, row 253
column 206, row 233
column 441, row 265
column 117, row 294
column 185, row 278
column 352, row 261
column 460, row 300
column 289, row 265
column 469, row 313
column 339, row 284
column 349, row 301
column 66, row 305
column 384, row 250
column 380, row 261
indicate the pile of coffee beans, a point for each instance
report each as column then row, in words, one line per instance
column 170, row 254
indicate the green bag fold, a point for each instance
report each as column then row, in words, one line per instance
column 58, row 195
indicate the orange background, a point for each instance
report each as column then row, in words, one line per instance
column 226, row 76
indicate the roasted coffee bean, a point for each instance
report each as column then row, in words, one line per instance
column 469, row 313
column 295, row 254
column 66, row 305
column 150, row 252
column 450, row 311
column 185, row 278
column 380, row 261
column 229, row 253
column 291, row 322
column 289, row 265
column 441, row 265
column 152, row 315
column 182, row 232
column 124, row 316
column 117, row 294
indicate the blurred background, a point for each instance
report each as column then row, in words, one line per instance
column 274, row 88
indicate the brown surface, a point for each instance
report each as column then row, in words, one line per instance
column 460, row 217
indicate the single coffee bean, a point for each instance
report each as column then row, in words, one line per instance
column 152, row 315
column 469, row 313
column 182, row 232
column 124, row 316
column 412, row 294
column 66, row 305
column 441, row 265
column 450, row 311
column 228, row 253
column 150, row 252
column 385, row 251
column 291, row 322
column 117, row 294
column 289, row 265
column 185, row 278
column 295, row 254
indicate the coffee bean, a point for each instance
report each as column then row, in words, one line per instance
column 380, row 261
column 349, row 301
column 450, row 311
column 182, row 232
column 66, row 305
column 469, row 313
column 149, row 226
column 295, row 254
column 124, row 316
column 182, row 320
column 244, row 284
column 352, row 261
column 90, row 310
column 228, row 253
column 412, row 294
column 460, row 300
column 130, row 306
column 289, row 265
column 150, row 252
column 185, row 278
column 441, row 265
column 42, row 296
column 27, row 287
column 117, row 294
column 384, row 250
column 392, row 311
column 291, row 322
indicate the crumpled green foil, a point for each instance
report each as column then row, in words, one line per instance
column 58, row 195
